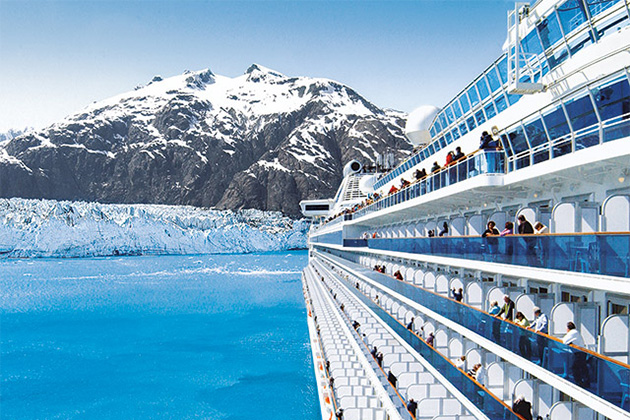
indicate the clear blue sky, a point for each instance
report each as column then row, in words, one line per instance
column 59, row 56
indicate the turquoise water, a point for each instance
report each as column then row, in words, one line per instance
column 168, row 337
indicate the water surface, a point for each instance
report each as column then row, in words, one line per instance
column 168, row 337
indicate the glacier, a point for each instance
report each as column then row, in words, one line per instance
column 49, row 228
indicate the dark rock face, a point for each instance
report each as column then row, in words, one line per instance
column 261, row 140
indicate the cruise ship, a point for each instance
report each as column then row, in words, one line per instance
column 409, row 263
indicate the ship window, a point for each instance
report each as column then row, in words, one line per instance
column 558, row 127
column 493, row 79
column 500, row 102
column 549, row 31
column 443, row 121
column 502, row 67
column 572, row 15
column 471, row 123
column 512, row 99
column 506, row 145
column 482, row 87
column 557, row 58
column 463, row 100
column 580, row 42
column 474, row 98
column 531, row 43
column 490, row 111
column 456, row 109
column 449, row 138
column 595, row 7
column 437, row 125
column 316, row 207
column 431, row 148
column 608, row 27
column 463, row 129
column 432, row 131
column 536, row 133
column 455, row 133
column 517, row 140
column 613, row 99
column 581, row 112
column 449, row 115
column 480, row 117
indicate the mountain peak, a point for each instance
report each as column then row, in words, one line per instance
column 257, row 73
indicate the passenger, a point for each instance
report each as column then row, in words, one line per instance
column 339, row 414
column 412, row 407
column 444, row 231
column 410, row 325
column 523, row 408
column 460, row 362
column 494, row 308
column 458, row 154
column 524, row 227
column 431, row 233
column 404, row 183
column 524, row 345
column 491, row 230
column 392, row 379
column 435, row 168
column 578, row 367
column 521, row 320
column 486, row 141
column 379, row 358
column 420, row 173
column 458, row 294
column 430, row 339
column 507, row 311
column 540, row 325
column 393, row 190
column 478, row 373
column 539, row 228
column 398, row 275
column 509, row 229
column 374, row 352
column 450, row 158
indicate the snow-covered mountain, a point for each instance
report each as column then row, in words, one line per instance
column 46, row 228
column 261, row 140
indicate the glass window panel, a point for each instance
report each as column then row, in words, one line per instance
column 490, row 111
column 456, row 109
column 512, row 99
column 580, row 42
column 536, row 133
column 463, row 129
column 441, row 143
column 449, row 115
column 517, row 140
column 571, row 14
column 581, row 112
column 557, row 58
column 463, row 100
column 482, row 88
column 501, row 103
column 502, row 67
column 549, row 30
column 472, row 94
column 612, row 99
column 471, row 123
column 493, row 79
column 480, row 117
column 595, row 7
column 432, row 148
column 606, row 28
column 455, row 133
column 556, row 123
column 531, row 44
column 432, row 131
column 506, row 145
column 437, row 125
column 443, row 121
column 449, row 138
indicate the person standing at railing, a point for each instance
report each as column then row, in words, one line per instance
column 412, row 407
column 444, row 231
column 525, row 228
column 578, row 367
column 540, row 325
column 507, row 311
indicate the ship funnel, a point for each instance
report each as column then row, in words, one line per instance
column 352, row 167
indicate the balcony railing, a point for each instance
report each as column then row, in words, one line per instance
column 598, row 374
column 593, row 253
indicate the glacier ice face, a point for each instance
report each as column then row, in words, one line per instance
column 48, row 228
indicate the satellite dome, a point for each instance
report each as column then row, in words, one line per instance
column 418, row 123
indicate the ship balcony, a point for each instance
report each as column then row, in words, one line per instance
column 599, row 375
column 605, row 254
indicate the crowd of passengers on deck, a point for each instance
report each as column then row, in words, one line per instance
column 487, row 142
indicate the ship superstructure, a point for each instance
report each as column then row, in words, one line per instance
column 404, row 267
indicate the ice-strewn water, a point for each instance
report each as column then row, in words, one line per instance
column 162, row 337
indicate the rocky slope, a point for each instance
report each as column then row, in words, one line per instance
column 261, row 140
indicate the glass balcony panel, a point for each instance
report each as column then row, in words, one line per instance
column 611, row 26
column 536, row 133
column 440, row 144
column 482, row 87
column 613, row 99
column 448, row 138
column 490, row 111
column 471, row 123
column 549, row 31
column 579, row 42
column 541, row 154
column 437, row 125
column 455, row 133
column 518, row 142
column 557, row 57
column 463, row 129
column 587, row 138
column 572, row 15
column 501, row 103
column 480, row 117
column 559, row 132
column 595, row 7
column 581, row 112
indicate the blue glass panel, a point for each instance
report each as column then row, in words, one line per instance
column 490, row 111
column 549, row 30
column 480, row 117
column 501, row 103
column 607, row 28
column 463, row 100
column 463, row 129
column 595, row 7
column 613, row 99
column 493, row 79
column 443, row 121
column 506, row 145
column 437, row 125
column 471, row 123
column 431, row 148
column 513, row 98
column 449, row 138
column 482, row 87
column 557, row 58
column 472, row 94
column 580, row 42
column 449, row 115
column 456, row 109
column 442, row 142
column 502, row 67
column 531, row 44
column 432, row 131
column 558, row 129
column 536, row 133
column 581, row 112
column 455, row 133
column 517, row 140
column 572, row 15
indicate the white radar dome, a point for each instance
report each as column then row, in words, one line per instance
column 418, row 123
